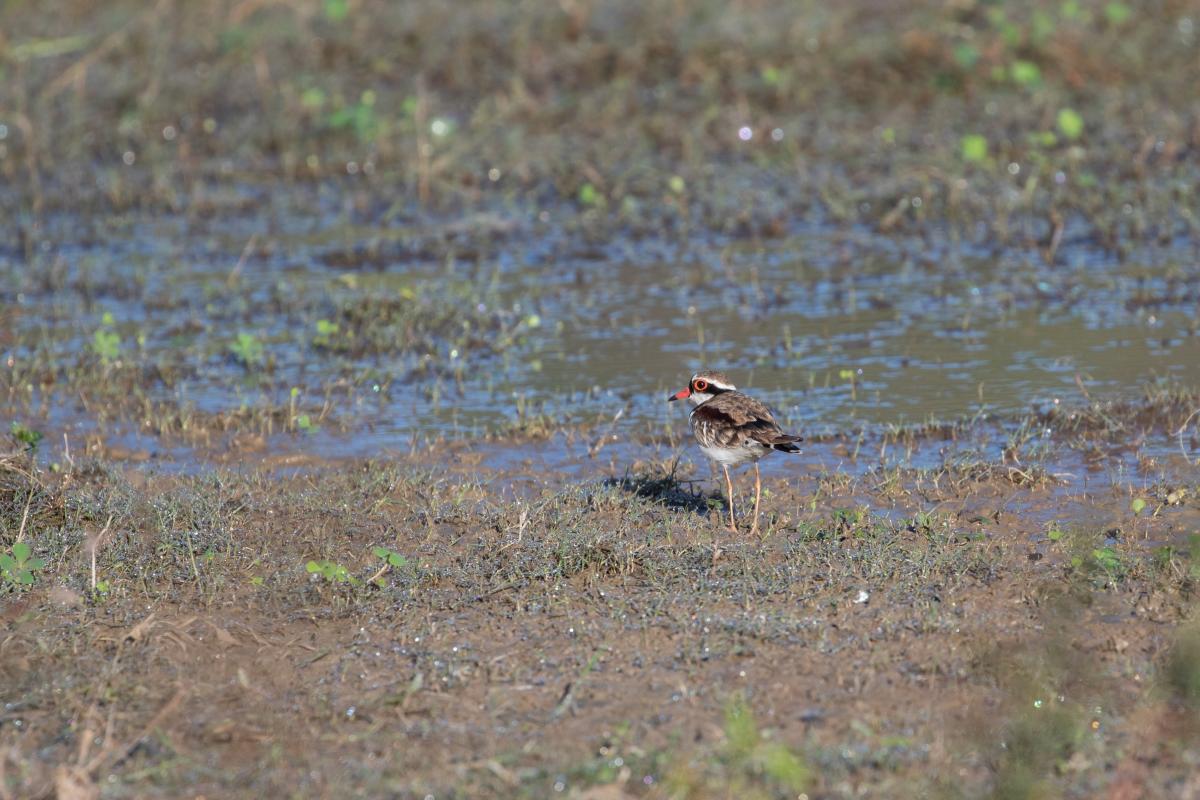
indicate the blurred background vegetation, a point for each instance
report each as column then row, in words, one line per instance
column 1000, row 118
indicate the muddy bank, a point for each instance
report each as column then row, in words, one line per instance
column 898, row 632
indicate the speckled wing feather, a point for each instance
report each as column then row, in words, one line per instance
column 731, row 418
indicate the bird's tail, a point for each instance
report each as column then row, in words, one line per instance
column 787, row 443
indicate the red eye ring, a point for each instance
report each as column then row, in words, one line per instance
column 701, row 385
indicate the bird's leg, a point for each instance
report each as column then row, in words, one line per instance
column 757, row 497
column 729, row 486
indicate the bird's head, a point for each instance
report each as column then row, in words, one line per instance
column 703, row 387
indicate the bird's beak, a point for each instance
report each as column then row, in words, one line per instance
column 682, row 394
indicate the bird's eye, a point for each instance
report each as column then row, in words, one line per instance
column 701, row 385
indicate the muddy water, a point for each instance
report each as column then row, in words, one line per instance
column 837, row 329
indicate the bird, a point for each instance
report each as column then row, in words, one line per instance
column 733, row 428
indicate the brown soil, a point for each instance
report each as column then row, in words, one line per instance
column 591, row 641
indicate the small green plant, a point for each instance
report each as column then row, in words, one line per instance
column 1025, row 73
column 300, row 422
column 1164, row 558
column 331, row 571
column 851, row 377
column 1137, row 506
column 337, row 10
column 749, row 760
column 1009, row 31
column 25, row 435
column 312, row 98
column 924, row 521
column 358, row 117
column 390, row 559
column 848, row 520
column 393, row 558
column 106, row 342
column 1117, row 13
column 1093, row 554
column 1102, row 563
column 1107, row 559
column 18, row 565
column 326, row 331
column 248, row 350
column 1070, row 123
column 1043, row 139
column 589, row 196
column 966, row 55
column 974, row 148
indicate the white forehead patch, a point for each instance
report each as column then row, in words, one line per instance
column 720, row 384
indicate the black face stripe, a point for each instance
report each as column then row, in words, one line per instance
column 709, row 387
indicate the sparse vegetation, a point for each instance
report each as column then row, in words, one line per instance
column 19, row 566
column 746, row 765
column 611, row 578
column 330, row 571
column 25, row 435
column 248, row 350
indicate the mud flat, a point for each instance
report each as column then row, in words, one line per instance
column 453, row 623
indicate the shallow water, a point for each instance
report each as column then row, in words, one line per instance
column 836, row 329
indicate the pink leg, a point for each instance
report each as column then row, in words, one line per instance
column 757, row 497
column 729, row 486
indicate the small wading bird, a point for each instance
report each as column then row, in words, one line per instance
column 733, row 428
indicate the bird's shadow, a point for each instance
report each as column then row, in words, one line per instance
column 665, row 489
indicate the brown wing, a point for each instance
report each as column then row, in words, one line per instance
column 732, row 417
